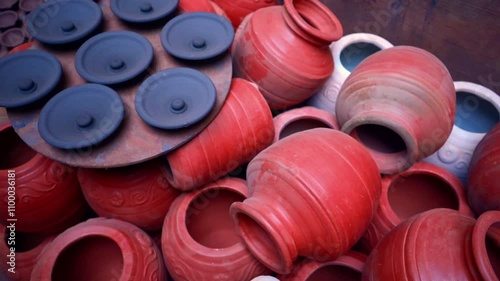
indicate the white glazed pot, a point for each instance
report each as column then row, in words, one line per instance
column 264, row 278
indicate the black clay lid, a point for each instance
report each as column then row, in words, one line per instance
column 142, row 11
column 63, row 21
column 27, row 76
column 197, row 36
column 175, row 98
column 81, row 116
column 113, row 57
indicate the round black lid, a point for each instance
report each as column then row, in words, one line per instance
column 113, row 57
column 175, row 98
column 197, row 36
column 81, row 116
column 143, row 11
column 63, row 21
column 27, row 77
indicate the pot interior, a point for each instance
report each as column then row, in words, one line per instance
column 352, row 55
column 380, row 138
column 13, row 150
column 301, row 125
column 475, row 114
column 334, row 272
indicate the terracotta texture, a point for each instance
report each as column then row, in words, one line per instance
column 242, row 129
column 199, row 240
column 201, row 6
column 265, row 50
column 439, row 244
column 237, row 10
column 312, row 194
column 400, row 103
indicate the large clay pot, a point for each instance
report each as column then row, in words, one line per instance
column 199, row 240
column 312, row 194
column 201, row 6
column 138, row 194
column 101, row 250
column 47, row 196
column 400, row 104
column 266, row 50
column 237, row 10
column 478, row 110
column 439, row 244
column 243, row 127
column 483, row 187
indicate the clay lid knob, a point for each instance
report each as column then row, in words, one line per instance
column 84, row 120
column 178, row 106
column 199, row 42
column 26, row 85
column 117, row 64
column 68, row 26
column 146, row 7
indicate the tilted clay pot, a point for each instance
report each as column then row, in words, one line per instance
column 243, row 127
column 237, row 10
column 266, row 50
column 199, row 240
column 312, row 194
column 400, row 104
column 201, row 6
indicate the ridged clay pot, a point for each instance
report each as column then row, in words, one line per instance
column 101, row 250
column 237, row 10
column 400, row 104
column 265, row 50
column 48, row 198
column 137, row 194
column 312, row 194
column 243, row 127
column 439, row 244
column 201, row 6
column 199, row 240
column 348, row 52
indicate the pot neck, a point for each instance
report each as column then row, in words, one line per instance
column 486, row 228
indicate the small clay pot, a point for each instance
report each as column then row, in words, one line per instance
column 29, row 5
column 12, row 37
column 8, row 19
column 7, row 4
column 237, row 10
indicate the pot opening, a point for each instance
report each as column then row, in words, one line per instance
column 492, row 241
column 208, row 220
column 379, row 138
column 334, row 272
column 25, row 242
column 475, row 114
column 416, row 193
column 13, row 150
column 352, row 55
column 301, row 125
column 317, row 17
column 93, row 258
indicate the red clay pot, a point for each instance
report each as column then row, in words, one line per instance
column 101, row 250
column 48, row 198
column 312, row 194
column 243, row 127
column 285, row 50
column 484, row 174
column 137, row 194
column 440, row 244
column 201, row 6
column 237, row 10
column 400, row 104
column 199, row 240
column 13, row 37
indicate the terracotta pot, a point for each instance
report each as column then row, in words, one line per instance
column 400, row 104
column 29, row 5
column 237, row 10
column 8, row 19
column 312, row 194
column 439, row 244
column 137, row 194
column 264, row 38
column 101, row 250
column 201, row 6
column 243, row 127
column 199, row 240
column 7, row 4
column 421, row 188
column 48, row 198
column 348, row 53
column 12, row 37
column 301, row 119
column 484, row 174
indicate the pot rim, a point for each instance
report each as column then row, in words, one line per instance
column 352, row 260
column 479, row 233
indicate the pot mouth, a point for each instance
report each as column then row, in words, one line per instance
column 301, row 124
column 328, row 272
column 486, row 245
column 15, row 152
column 354, row 53
column 475, row 114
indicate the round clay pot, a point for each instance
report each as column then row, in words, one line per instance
column 400, row 104
column 265, row 278
column 29, row 5
column 137, row 194
column 312, row 194
column 237, row 10
column 12, row 37
column 243, row 127
column 484, row 174
column 7, row 4
column 267, row 34
column 439, row 244
column 301, row 119
column 421, row 188
column 199, row 240
column 48, row 198
column 8, row 19
column 348, row 53
column 478, row 110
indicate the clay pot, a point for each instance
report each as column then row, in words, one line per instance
column 12, row 38
column 237, row 10
column 137, row 194
column 301, row 119
column 348, row 53
column 421, row 188
column 312, row 194
column 101, row 250
column 484, row 174
column 199, row 240
column 201, row 6
column 439, row 244
column 264, row 38
column 265, row 278
column 478, row 110
column 400, row 104
column 48, row 198
column 29, row 5
column 7, row 4
column 243, row 127
column 8, row 19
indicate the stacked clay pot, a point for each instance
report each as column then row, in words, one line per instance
column 237, row 10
